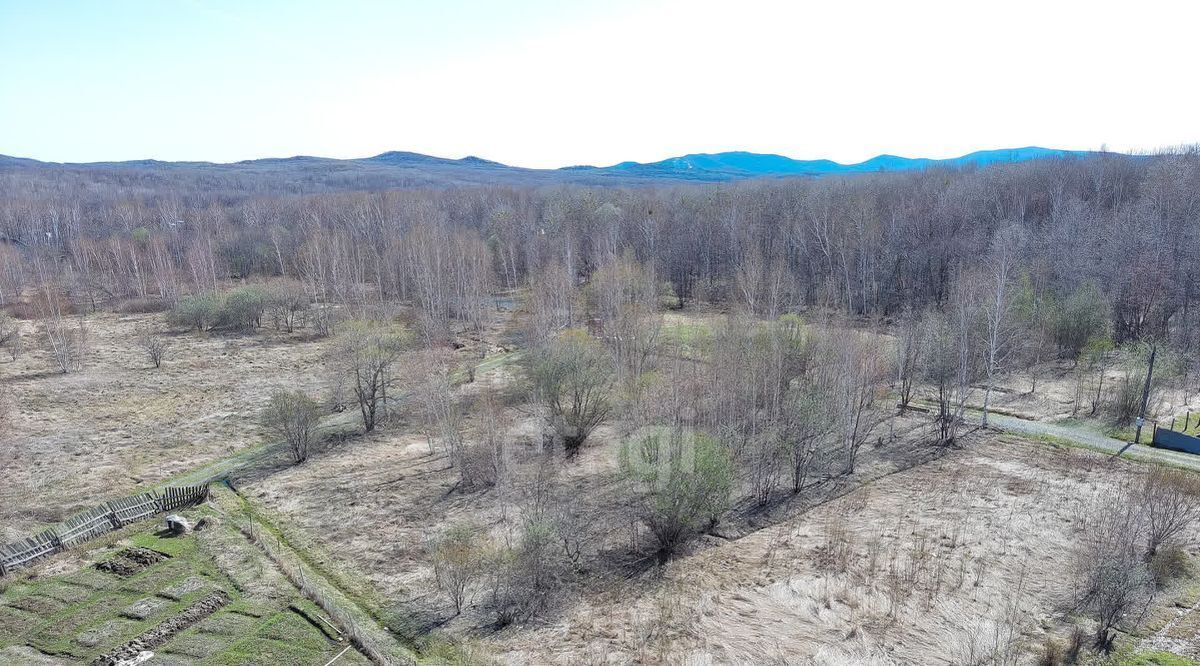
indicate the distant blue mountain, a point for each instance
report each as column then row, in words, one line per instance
column 738, row 164
column 399, row 168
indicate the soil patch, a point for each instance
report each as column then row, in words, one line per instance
column 131, row 561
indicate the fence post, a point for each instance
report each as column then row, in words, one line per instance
column 112, row 515
column 56, row 540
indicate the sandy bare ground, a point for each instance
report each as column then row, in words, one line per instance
column 118, row 424
column 1057, row 390
column 905, row 570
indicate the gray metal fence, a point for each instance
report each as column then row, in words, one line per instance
column 1177, row 441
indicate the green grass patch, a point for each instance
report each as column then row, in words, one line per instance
column 85, row 613
column 15, row 623
column 198, row 645
column 40, row 605
column 290, row 627
column 1190, row 594
column 156, row 577
column 85, row 631
column 1156, row 658
column 1126, row 433
column 173, row 546
column 690, row 338
column 253, row 608
column 228, row 624
column 356, row 588
column 259, row 652
column 284, row 638
column 66, row 593
column 89, row 577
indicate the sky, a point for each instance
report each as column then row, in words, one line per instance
column 550, row 83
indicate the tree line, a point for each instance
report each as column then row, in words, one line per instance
column 874, row 245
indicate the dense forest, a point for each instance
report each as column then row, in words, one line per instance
column 872, row 245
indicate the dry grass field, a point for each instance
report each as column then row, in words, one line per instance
column 929, row 565
column 930, row 556
column 120, row 424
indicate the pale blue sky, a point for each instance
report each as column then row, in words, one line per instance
column 544, row 83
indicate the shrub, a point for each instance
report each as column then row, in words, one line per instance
column 1074, row 646
column 1081, row 316
column 324, row 320
column 154, row 345
column 142, row 306
column 1126, row 402
column 200, row 313
column 364, row 360
column 522, row 578
column 65, row 342
column 1113, row 582
column 573, row 375
column 1170, row 500
column 1168, row 564
column 293, row 416
column 243, row 309
column 683, row 482
column 10, row 335
column 1051, row 653
column 286, row 305
column 457, row 557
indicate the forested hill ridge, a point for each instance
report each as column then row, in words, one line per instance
column 738, row 164
column 407, row 169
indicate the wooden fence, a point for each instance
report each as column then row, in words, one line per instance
column 98, row 520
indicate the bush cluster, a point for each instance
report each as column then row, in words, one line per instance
column 243, row 309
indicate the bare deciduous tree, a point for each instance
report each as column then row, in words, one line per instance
column 997, row 305
column 364, row 357
column 951, row 362
column 551, row 303
column 623, row 297
column 64, row 340
column 807, row 423
column 856, row 368
column 910, row 337
column 66, row 343
column 488, row 458
column 286, row 305
column 442, row 414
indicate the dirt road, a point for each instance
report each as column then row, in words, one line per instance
column 1083, row 437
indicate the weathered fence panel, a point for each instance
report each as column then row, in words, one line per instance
column 132, row 509
column 84, row 526
column 176, row 497
column 94, row 522
column 14, row 556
